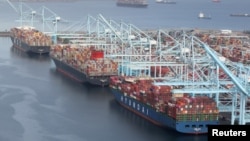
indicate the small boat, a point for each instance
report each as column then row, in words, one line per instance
column 203, row 16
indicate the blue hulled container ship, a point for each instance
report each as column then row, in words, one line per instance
column 156, row 104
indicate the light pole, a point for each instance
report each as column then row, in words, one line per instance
column 32, row 17
column 57, row 19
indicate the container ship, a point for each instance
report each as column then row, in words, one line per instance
column 165, row 1
column 240, row 15
column 132, row 3
column 178, row 112
column 30, row 40
column 84, row 64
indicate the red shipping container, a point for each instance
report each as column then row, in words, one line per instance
column 96, row 54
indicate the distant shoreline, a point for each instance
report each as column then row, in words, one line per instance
column 43, row 0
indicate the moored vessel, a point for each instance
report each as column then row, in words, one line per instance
column 165, row 1
column 30, row 40
column 240, row 15
column 179, row 112
column 84, row 64
column 132, row 3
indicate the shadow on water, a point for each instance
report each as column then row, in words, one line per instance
column 129, row 115
column 87, row 88
column 19, row 53
column 131, row 118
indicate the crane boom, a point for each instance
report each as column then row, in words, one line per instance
column 12, row 6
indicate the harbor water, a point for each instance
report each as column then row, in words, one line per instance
column 183, row 14
column 40, row 104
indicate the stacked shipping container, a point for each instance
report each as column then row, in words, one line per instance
column 234, row 47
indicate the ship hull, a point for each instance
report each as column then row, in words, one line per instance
column 206, row 18
column 150, row 114
column 41, row 49
column 78, row 75
column 132, row 5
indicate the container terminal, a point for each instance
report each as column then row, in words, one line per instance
column 181, row 65
column 184, row 61
column 180, row 59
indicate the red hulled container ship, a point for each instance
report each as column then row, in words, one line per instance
column 83, row 63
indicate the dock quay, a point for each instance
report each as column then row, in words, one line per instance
column 4, row 34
